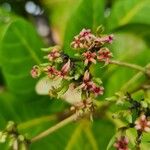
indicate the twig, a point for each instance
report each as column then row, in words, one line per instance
column 133, row 66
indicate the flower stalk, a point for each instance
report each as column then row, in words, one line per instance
column 54, row 128
column 133, row 66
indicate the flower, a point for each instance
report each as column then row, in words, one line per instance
column 142, row 124
column 53, row 54
column 97, row 90
column 35, row 72
column 105, row 39
column 83, row 40
column 89, row 57
column 121, row 143
column 51, row 71
column 86, row 35
column 85, row 105
column 65, row 69
column 87, row 83
column 77, row 43
column 104, row 55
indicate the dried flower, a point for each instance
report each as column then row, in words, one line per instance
column 89, row 57
column 142, row 124
column 121, row 143
column 104, row 55
column 35, row 72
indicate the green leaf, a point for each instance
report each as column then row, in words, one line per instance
column 129, row 12
column 20, row 50
column 81, row 18
column 131, row 51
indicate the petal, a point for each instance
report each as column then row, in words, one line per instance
column 93, row 60
column 138, row 127
column 143, row 117
column 147, row 129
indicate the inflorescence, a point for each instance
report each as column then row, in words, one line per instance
column 89, row 49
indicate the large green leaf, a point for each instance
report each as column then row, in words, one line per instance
column 20, row 50
column 88, row 14
column 129, row 12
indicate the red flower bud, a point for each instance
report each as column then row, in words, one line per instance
column 35, row 72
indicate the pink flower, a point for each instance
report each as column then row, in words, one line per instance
column 53, row 54
column 86, row 35
column 105, row 39
column 65, row 69
column 89, row 57
column 83, row 40
column 77, row 43
column 51, row 71
column 142, row 124
column 97, row 90
column 104, row 55
column 87, row 83
column 121, row 143
column 35, row 72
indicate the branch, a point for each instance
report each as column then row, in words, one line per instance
column 54, row 128
column 133, row 66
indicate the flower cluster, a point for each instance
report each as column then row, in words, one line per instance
column 83, row 107
column 76, row 72
column 89, row 86
column 138, row 117
column 16, row 141
column 93, row 46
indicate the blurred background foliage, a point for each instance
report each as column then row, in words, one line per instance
column 27, row 26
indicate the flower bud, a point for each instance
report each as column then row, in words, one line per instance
column 35, row 72
column 10, row 126
column 65, row 69
column 3, row 137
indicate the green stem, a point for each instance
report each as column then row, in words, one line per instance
column 54, row 128
column 133, row 66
